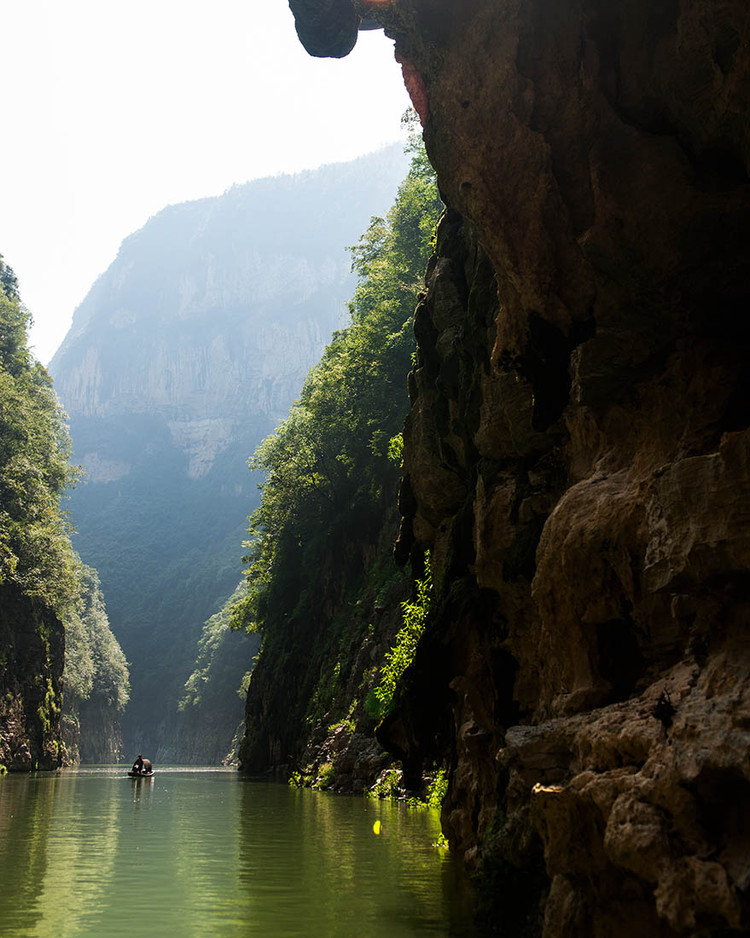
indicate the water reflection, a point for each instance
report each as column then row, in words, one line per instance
column 61, row 843
column 24, row 829
column 330, row 875
column 194, row 853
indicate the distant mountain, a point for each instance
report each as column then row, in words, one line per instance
column 186, row 353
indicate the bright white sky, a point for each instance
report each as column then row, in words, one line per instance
column 113, row 109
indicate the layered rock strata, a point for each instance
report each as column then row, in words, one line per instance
column 577, row 457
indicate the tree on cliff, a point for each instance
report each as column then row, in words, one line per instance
column 323, row 589
column 327, row 466
column 35, row 550
column 96, row 679
column 37, row 559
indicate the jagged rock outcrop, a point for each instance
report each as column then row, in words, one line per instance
column 577, row 456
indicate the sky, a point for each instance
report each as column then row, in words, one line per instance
column 112, row 110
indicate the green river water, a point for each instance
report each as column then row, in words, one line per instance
column 205, row 852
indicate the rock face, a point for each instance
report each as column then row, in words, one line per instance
column 307, row 717
column 577, row 457
column 186, row 353
column 96, row 737
column 33, row 640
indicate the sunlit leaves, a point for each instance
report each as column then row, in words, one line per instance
column 95, row 666
column 35, row 551
column 401, row 655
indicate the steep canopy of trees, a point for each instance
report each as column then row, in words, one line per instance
column 35, row 550
column 95, row 667
column 329, row 467
column 36, row 555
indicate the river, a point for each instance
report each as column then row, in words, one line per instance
column 206, row 852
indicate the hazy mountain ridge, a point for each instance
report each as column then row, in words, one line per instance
column 186, row 353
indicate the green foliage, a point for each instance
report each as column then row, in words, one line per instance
column 8, row 281
column 348, row 724
column 35, row 550
column 396, row 449
column 210, row 661
column 49, row 710
column 330, row 465
column 95, row 666
column 398, row 659
column 387, row 786
column 212, row 701
column 437, row 789
column 325, row 693
column 245, row 682
column 326, row 775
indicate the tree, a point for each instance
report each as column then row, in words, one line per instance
column 35, row 550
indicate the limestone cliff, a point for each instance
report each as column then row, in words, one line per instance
column 577, row 455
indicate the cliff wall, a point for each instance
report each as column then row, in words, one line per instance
column 576, row 456
column 32, row 642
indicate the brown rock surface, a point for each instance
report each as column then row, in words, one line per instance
column 577, row 456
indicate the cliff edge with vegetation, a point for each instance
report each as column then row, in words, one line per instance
column 577, row 451
column 63, row 677
column 37, row 568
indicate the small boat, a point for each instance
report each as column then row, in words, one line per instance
column 133, row 774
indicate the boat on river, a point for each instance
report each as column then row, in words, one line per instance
column 133, row 774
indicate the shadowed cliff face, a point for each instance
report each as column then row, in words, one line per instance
column 33, row 640
column 577, row 456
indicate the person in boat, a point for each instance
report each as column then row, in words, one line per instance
column 142, row 766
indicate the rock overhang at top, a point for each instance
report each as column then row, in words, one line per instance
column 329, row 28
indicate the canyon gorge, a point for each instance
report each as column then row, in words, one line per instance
column 183, row 356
